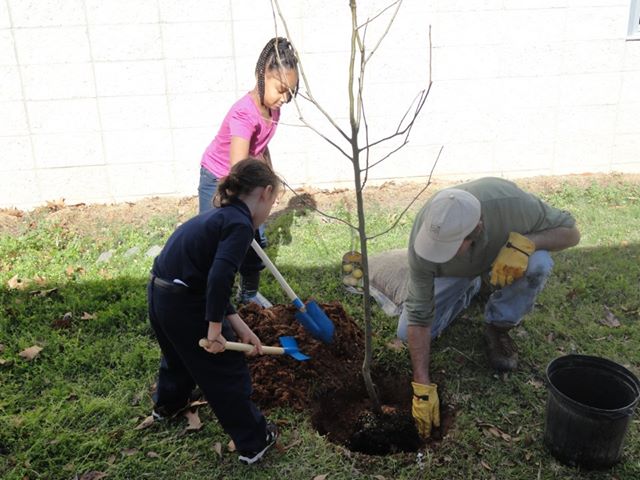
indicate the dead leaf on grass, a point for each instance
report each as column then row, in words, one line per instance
column 30, row 353
column 396, row 345
column 535, row 383
column 321, row 477
column 194, row 420
column 16, row 283
column 491, row 430
column 93, row 475
column 153, row 455
column 127, row 452
column 88, row 316
column 231, row 446
column 1, row 347
column 197, row 403
column 44, row 293
column 4, row 362
column 609, row 320
column 146, row 423
column 217, row 447
column 486, row 465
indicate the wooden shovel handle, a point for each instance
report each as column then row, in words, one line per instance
column 245, row 347
column 272, row 268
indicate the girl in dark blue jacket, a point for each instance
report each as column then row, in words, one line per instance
column 189, row 298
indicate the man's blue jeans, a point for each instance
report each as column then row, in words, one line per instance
column 505, row 306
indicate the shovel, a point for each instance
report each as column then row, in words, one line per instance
column 289, row 347
column 312, row 318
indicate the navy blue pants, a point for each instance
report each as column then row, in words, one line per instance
column 178, row 322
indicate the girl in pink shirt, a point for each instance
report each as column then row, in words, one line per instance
column 245, row 132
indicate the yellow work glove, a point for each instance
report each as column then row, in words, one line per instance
column 512, row 260
column 425, row 408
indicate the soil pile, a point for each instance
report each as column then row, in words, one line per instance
column 330, row 384
column 281, row 381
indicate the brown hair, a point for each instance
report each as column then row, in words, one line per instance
column 243, row 178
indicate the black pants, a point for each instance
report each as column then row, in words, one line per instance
column 178, row 322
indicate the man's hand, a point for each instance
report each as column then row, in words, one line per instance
column 425, row 408
column 512, row 260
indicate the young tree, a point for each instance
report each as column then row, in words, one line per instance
column 359, row 145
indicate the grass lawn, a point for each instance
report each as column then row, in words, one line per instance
column 72, row 411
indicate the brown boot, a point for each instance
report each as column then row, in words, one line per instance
column 501, row 349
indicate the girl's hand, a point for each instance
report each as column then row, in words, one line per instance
column 215, row 345
column 245, row 334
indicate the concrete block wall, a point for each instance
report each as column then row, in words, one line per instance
column 112, row 100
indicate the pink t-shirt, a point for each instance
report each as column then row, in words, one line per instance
column 243, row 120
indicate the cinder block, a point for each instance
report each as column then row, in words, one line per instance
column 138, row 146
column 462, row 5
column 52, row 45
column 530, row 60
column 586, row 123
column 10, row 88
column 582, row 156
column 199, row 109
column 626, row 150
column 316, row 39
column 200, row 75
column 100, row 12
column 531, row 26
column 533, row 4
column 631, row 60
column 630, row 92
column 58, row 116
column 125, row 42
column 527, row 125
column 462, row 62
column 529, row 156
column 189, row 145
column 13, row 120
column 172, row 11
column 40, row 13
column 58, row 81
column 141, row 179
column 468, row 28
column 68, row 149
column 5, row 22
column 197, row 40
column 590, row 89
column 19, row 189
column 627, row 120
column 527, row 92
column 593, row 56
column 75, row 185
column 140, row 77
column 16, row 154
column 473, row 158
column 250, row 36
column 125, row 113
column 597, row 23
column 7, row 52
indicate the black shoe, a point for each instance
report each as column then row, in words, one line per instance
column 163, row 413
column 501, row 349
column 249, row 458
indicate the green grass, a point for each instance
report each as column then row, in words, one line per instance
column 73, row 410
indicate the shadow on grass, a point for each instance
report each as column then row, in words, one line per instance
column 96, row 367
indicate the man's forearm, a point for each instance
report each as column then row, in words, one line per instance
column 419, row 338
column 555, row 239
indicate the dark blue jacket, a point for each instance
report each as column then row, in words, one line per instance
column 205, row 252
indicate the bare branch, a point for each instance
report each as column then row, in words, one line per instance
column 304, row 77
column 386, row 31
column 410, row 203
column 369, row 20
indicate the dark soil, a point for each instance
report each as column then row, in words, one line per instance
column 330, row 385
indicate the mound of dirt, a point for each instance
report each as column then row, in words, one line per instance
column 329, row 386
column 281, row 381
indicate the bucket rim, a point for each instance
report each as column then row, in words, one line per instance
column 600, row 361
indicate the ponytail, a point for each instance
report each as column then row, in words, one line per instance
column 277, row 53
column 243, row 178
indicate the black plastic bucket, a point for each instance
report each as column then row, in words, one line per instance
column 589, row 408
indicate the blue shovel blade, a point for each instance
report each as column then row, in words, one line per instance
column 291, row 348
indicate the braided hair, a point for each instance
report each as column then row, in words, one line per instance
column 277, row 53
column 243, row 178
